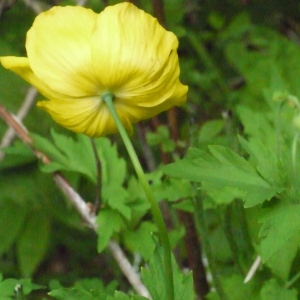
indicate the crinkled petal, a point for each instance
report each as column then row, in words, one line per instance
column 92, row 117
column 89, row 116
column 20, row 66
column 134, row 56
column 58, row 49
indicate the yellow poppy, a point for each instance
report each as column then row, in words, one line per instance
column 76, row 55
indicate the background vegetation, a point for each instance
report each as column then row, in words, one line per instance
column 225, row 167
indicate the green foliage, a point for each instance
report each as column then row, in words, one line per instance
column 222, row 169
column 237, row 180
column 280, row 236
column 92, row 289
column 8, row 287
column 138, row 241
column 109, row 222
column 154, row 279
column 162, row 137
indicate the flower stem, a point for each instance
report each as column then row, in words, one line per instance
column 158, row 218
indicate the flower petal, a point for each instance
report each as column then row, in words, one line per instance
column 20, row 66
column 89, row 116
column 134, row 56
column 58, row 49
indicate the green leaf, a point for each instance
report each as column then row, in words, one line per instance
column 170, row 189
column 234, row 286
column 176, row 235
column 109, row 222
column 265, row 161
column 258, row 124
column 154, row 279
column 116, row 197
column 74, row 294
column 121, row 296
column 33, row 241
column 16, row 155
column 7, row 286
column 273, row 52
column 76, row 155
column 141, row 240
column 138, row 203
column 161, row 137
column 280, row 237
column 271, row 290
column 222, row 168
column 12, row 215
column 210, row 130
column 71, row 154
column 94, row 286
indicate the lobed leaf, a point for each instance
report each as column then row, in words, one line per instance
column 223, row 168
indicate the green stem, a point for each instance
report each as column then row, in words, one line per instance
column 294, row 159
column 98, row 168
column 292, row 281
column 204, row 234
column 158, row 218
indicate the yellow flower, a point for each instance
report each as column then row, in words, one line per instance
column 76, row 55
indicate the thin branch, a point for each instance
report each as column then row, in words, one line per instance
column 126, row 267
column 80, row 205
column 253, row 269
column 36, row 6
column 10, row 134
column 81, row 2
column 98, row 168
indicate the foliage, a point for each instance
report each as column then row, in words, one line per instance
column 226, row 167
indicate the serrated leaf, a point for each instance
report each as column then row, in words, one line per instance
column 71, row 154
column 170, row 189
column 257, row 124
column 265, row 161
column 221, row 167
column 271, row 290
column 140, row 240
column 154, row 276
column 113, row 167
column 33, row 241
column 154, row 279
column 280, row 236
column 109, row 222
column 116, row 197
column 137, row 202
column 76, row 155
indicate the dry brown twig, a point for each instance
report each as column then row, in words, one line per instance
column 80, row 205
column 10, row 134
